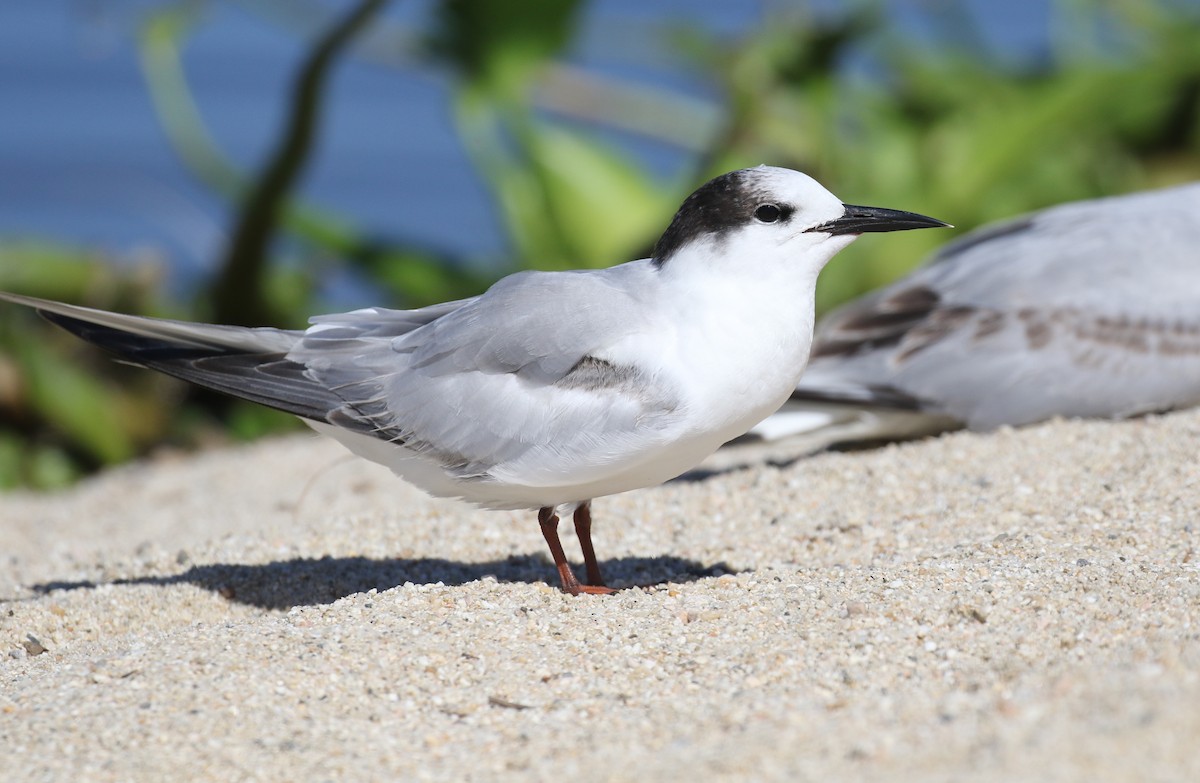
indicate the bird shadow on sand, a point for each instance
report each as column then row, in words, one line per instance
column 310, row 581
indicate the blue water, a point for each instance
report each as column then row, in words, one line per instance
column 83, row 159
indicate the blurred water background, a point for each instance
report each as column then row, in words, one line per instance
column 453, row 142
column 83, row 156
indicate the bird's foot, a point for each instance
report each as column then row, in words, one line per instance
column 592, row 590
column 570, row 584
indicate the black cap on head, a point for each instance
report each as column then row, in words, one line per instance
column 717, row 207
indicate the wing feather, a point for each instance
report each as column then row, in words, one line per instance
column 511, row 385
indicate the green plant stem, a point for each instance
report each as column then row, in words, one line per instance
column 239, row 293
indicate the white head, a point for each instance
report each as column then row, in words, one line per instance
column 769, row 215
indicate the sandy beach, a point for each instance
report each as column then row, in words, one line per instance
column 1024, row 603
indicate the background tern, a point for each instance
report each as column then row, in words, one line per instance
column 1088, row 309
column 552, row 388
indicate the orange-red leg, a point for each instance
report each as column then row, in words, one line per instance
column 549, row 523
column 583, row 530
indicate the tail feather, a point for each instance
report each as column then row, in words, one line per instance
column 813, row 423
column 248, row 363
column 179, row 332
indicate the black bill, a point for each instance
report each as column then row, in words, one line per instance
column 860, row 220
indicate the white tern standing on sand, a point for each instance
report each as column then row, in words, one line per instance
column 1087, row 309
column 552, row 388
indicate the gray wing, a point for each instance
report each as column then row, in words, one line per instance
column 511, row 385
column 1087, row 309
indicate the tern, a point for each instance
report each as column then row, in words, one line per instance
column 1086, row 309
column 551, row 388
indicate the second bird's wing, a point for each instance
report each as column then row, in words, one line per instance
column 1087, row 309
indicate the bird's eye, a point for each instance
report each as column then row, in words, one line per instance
column 767, row 213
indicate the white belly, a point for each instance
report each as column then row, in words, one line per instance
column 650, row 468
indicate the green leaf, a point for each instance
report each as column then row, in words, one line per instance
column 499, row 46
column 76, row 403
column 604, row 207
